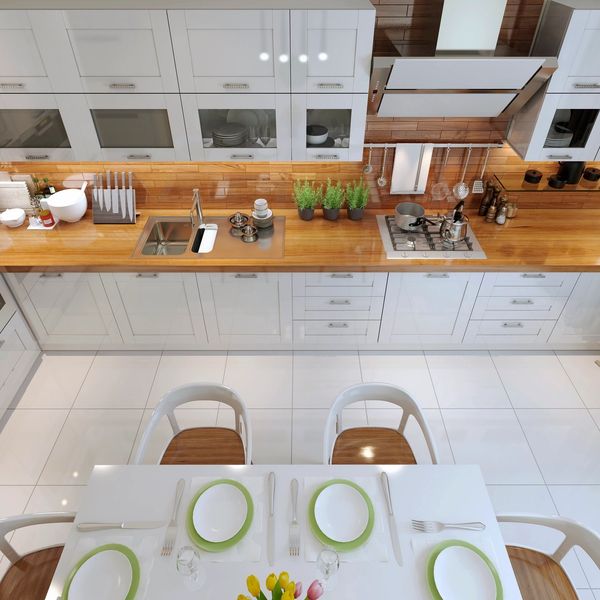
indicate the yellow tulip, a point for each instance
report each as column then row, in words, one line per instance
column 291, row 588
column 271, row 581
column 284, row 579
column 253, row 585
column 242, row 597
column 287, row 596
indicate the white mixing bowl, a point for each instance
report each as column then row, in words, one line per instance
column 68, row 205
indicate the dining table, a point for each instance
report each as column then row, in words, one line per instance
column 445, row 493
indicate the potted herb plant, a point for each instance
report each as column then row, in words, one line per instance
column 333, row 200
column 307, row 196
column 357, row 198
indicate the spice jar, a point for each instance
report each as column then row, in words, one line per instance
column 511, row 210
column 46, row 218
column 501, row 214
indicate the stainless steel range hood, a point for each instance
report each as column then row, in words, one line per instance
column 466, row 74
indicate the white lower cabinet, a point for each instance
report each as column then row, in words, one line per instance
column 511, row 333
column 67, row 311
column 427, row 309
column 157, row 310
column 18, row 353
column 247, row 310
column 579, row 323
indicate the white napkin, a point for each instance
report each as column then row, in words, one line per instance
column 250, row 547
column 376, row 547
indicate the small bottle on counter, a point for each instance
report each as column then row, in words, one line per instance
column 512, row 210
column 490, row 215
column 46, row 218
column 487, row 198
column 501, row 214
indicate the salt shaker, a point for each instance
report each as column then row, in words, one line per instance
column 501, row 214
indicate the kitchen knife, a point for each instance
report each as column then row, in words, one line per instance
column 385, row 482
column 115, row 195
column 107, row 197
column 130, row 208
column 122, row 525
column 100, row 191
column 123, row 196
column 95, row 190
column 271, row 521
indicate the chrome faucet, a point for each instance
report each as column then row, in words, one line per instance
column 196, row 210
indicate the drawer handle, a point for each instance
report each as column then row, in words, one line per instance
column 587, row 86
column 242, row 157
column 330, row 86
column 139, row 156
column 342, row 276
column 533, row 276
column 327, row 156
column 236, row 86
column 338, row 325
column 340, row 302
column 559, row 156
column 122, row 86
column 521, row 301
column 51, row 275
column 246, row 276
column 6, row 85
column 147, row 275
column 37, row 156
column 437, row 275
column 512, row 324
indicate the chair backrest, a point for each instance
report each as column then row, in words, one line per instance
column 382, row 392
column 9, row 524
column 197, row 392
column 575, row 534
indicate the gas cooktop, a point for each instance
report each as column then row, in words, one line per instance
column 425, row 242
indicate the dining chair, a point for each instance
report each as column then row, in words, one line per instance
column 541, row 575
column 201, row 445
column 29, row 576
column 374, row 445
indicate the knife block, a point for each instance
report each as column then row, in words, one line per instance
column 104, row 212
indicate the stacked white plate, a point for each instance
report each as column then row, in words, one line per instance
column 230, row 135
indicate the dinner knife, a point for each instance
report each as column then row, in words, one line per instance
column 122, row 525
column 271, row 521
column 123, row 196
column 385, row 482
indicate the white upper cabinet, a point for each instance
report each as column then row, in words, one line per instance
column 261, row 122
column 231, row 51
column 331, row 50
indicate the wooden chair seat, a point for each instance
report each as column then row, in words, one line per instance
column 30, row 577
column 372, row 446
column 205, row 446
column 539, row 576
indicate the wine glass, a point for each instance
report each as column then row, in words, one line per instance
column 328, row 562
column 252, row 134
column 188, row 565
column 265, row 135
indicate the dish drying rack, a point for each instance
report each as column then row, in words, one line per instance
column 115, row 202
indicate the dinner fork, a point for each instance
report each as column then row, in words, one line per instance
column 294, row 526
column 437, row 526
column 171, row 533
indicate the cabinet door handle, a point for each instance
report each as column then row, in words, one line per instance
column 338, row 325
column 437, row 275
column 512, row 324
column 330, row 86
column 342, row 276
column 37, row 156
column 327, row 156
column 242, row 157
column 521, row 301
column 236, row 86
column 246, row 276
column 122, row 86
column 339, row 302
column 559, row 156
column 587, row 86
column 139, row 156
column 533, row 276
column 1, row 343
column 51, row 275
column 7, row 85
column 147, row 275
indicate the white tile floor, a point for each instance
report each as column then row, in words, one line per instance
column 531, row 420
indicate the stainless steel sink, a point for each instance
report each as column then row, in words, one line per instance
column 174, row 236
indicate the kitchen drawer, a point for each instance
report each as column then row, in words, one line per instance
column 375, row 281
column 336, row 332
column 518, row 307
column 527, row 284
column 338, row 307
column 508, row 332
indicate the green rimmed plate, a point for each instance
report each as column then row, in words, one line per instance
column 207, row 545
column 435, row 553
column 344, row 546
column 72, row 585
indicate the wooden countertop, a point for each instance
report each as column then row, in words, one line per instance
column 538, row 239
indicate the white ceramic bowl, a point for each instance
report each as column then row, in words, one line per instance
column 68, row 205
column 316, row 134
column 13, row 217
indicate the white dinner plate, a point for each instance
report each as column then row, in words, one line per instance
column 104, row 576
column 461, row 574
column 341, row 512
column 220, row 512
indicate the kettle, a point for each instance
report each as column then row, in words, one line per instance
column 454, row 227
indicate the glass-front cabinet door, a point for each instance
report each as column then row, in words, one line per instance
column 41, row 127
column 328, row 126
column 568, row 128
column 238, row 127
column 231, row 51
column 136, row 127
column 331, row 50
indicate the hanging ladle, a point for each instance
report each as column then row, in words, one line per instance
column 381, row 180
column 461, row 189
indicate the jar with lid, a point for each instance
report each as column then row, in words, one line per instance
column 511, row 209
column 501, row 213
